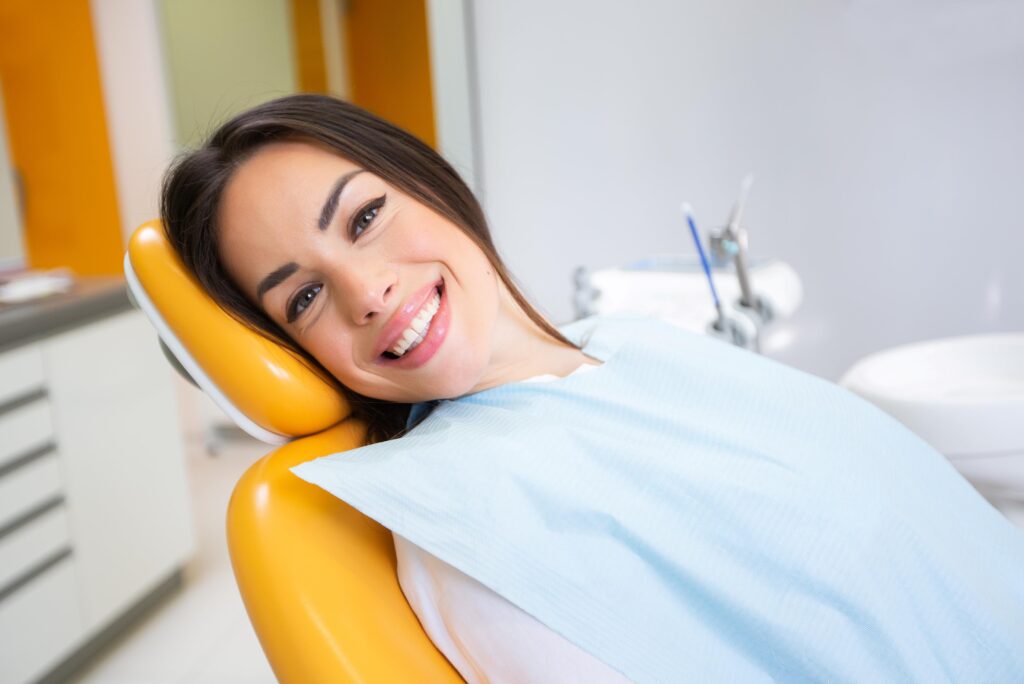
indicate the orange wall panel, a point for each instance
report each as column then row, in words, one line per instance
column 309, row 46
column 389, row 62
column 58, row 135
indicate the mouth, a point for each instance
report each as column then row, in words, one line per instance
column 415, row 334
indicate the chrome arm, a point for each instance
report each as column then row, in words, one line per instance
column 730, row 244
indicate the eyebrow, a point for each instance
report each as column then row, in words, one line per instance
column 331, row 205
column 275, row 278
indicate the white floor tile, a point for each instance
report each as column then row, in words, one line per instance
column 237, row 658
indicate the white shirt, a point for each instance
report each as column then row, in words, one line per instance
column 483, row 635
column 486, row 637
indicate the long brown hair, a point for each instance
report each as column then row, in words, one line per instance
column 194, row 184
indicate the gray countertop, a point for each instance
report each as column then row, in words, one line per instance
column 90, row 298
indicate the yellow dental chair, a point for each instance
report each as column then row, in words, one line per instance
column 318, row 578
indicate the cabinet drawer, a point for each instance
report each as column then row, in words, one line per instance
column 25, row 429
column 31, row 544
column 29, row 486
column 40, row 624
column 22, row 372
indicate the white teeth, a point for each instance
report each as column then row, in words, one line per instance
column 418, row 327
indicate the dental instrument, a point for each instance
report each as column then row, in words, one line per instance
column 688, row 211
column 747, row 296
column 730, row 244
column 729, row 329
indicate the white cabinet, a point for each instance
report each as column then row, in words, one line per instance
column 40, row 624
column 120, row 442
column 94, row 508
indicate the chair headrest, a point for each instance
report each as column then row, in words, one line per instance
column 269, row 391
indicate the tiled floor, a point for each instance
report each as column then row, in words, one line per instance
column 201, row 634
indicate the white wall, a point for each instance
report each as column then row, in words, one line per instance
column 137, row 104
column 886, row 138
column 451, row 75
column 12, row 247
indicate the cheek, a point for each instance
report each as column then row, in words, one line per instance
column 419, row 242
column 424, row 236
column 335, row 354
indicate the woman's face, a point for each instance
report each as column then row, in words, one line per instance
column 393, row 299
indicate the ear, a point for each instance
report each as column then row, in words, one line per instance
column 270, row 392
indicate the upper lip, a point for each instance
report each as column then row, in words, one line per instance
column 403, row 316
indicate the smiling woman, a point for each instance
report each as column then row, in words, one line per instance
column 686, row 511
column 357, row 245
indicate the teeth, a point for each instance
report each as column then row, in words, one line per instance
column 418, row 327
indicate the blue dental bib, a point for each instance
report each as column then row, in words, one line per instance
column 692, row 511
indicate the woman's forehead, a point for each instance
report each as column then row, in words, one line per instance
column 283, row 183
column 290, row 163
column 268, row 202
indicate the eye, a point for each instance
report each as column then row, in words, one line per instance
column 301, row 301
column 363, row 218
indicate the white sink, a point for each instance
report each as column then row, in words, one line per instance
column 675, row 289
column 963, row 395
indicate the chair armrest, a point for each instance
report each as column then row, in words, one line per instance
column 319, row 578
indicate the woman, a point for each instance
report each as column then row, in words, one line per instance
column 645, row 504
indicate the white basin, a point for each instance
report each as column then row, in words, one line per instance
column 963, row 395
column 675, row 289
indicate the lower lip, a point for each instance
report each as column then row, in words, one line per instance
column 425, row 350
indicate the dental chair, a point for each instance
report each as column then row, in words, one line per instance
column 318, row 578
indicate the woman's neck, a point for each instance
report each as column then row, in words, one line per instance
column 524, row 350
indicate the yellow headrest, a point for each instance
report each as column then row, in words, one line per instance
column 270, row 392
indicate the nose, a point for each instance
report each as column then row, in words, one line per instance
column 366, row 290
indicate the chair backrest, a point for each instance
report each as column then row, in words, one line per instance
column 318, row 578
column 271, row 393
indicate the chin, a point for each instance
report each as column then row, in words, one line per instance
column 449, row 384
column 456, row 385
column 455, row 379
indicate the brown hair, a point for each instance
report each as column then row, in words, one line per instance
column 194, row 184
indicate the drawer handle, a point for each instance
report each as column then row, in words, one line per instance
column 31, row 514
column 33, row 572
column 26, row 458
column 21, row 400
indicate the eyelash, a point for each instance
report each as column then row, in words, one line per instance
column 299, row 300
column 371, row 209
column 299, row 303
